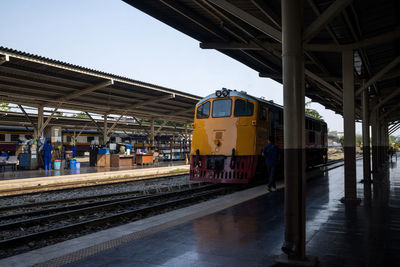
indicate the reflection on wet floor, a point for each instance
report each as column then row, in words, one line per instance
column 251, row 233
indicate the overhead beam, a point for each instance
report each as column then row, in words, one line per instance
column 323, row 82
column 314, row 47
column 94, row 122
column 49, row 118
column 27, row 117
column 268, row 12
column 147, row 102
column 377, row 76
column 141, row 125
column 386, row 99
column 90, row 89
column 191, row 16
column 116, row 122
column 330, row 13
column 249, row 19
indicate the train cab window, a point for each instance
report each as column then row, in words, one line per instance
column 203, row 111
column 222, row 108
column 243, row 108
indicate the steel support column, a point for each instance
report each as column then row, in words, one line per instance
column 152, row 132
column 374, row 128
column 105, row 135
column 366, row 147
column 350, row 182
column 294, row 140
column 40, row 122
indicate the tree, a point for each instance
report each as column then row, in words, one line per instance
column 81, row 115
column 4, row 106
column 358, row 139
column 341, row 141
column 312, row 112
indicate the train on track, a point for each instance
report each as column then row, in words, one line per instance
column 229, row 131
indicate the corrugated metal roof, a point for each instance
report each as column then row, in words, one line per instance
column 35, row 80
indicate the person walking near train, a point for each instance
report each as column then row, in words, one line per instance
column 270, row 153
column 47, row 148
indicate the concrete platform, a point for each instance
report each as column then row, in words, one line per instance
column 40, row 178
column 246, row 229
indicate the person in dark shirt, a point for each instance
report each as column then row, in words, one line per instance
column 270, row 153
column 4, row 154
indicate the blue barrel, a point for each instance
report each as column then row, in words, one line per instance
column 57, row 164
column 77, row 165
column 72, row 164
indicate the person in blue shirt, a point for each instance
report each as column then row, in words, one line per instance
column 4, row 154
column 73, row 149
column 270, row 153
column 47, row 148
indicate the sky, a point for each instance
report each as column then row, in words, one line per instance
column 114, row 37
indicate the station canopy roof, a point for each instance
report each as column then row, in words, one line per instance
column 250, row 32
column 33, row 80
column 18, row 119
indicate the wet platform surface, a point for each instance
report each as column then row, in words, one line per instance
column 251, row 233
column 85, row 169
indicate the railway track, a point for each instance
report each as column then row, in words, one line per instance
column 53, row 206
column 40, row 228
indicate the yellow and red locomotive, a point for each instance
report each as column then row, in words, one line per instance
column 229, row 131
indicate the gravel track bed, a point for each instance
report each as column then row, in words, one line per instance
column 35, row 244
column 87, row 216
column 140, row 185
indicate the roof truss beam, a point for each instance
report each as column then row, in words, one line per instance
column 386, row 99
column 330, row 13
column 95, row 123
column 379, row 75
column 27, row 117
column 249, row 19
column 85, row 91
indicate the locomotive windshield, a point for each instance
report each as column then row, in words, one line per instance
column 243, row 108
column 222, row 108
column 203, row 111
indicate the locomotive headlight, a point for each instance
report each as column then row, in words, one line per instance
column 218, row 93
column 225, row 92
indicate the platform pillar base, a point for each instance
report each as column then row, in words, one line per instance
column 310, row 261
column 355, row 201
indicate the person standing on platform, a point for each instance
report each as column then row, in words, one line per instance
column 270, row 153
column 73, row 149
column 48, row 149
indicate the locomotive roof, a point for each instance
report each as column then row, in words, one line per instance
column 244, row 95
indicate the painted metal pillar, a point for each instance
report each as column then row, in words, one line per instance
column 40, row 122
column 294, row 120
column 152, row 132
column 105, row 135
column 366, row 146
column 374, row 130
column 350, row 182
